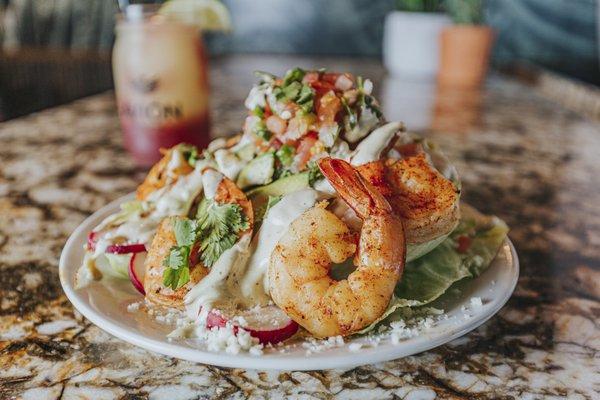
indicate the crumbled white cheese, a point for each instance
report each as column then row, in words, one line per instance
column 313, row 345
column 476, row 302
column 230, row 339
column 133, row 307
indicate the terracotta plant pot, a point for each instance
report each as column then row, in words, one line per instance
column 464, row 55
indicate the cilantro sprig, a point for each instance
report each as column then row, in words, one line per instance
column 215, row 230
column 177, row 262
column 218, row 228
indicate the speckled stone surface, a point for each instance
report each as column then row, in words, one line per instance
column 521, row 157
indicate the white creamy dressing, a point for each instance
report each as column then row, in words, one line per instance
column 172, row 199
column 210, row 180
column 239, row 277
column 136, row 230
column 367, row 121
column 323, row 185
column 177, row 199
column 216, row 144
column 221, row 285
column 254, row 284
column 372, row 146
column 177, row 160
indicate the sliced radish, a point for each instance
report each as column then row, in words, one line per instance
column 216, row 319
column 268, row 324
column 91, row 241
column 126, row 248
column 137, row 270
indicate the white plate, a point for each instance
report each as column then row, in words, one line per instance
column 106, row 306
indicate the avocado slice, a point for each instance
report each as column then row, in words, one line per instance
column 259, row 171
column 260, row 196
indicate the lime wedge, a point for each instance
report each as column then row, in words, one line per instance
column 207, row 15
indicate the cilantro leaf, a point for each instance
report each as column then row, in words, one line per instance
column 177, row 268
column 185, row 231
column 218, row 228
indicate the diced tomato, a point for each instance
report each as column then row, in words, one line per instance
column 330, row 77
column 464, row 243
column 322, row 87
column 303, row 150
column 268, row 111
column 327, row 107
column 310, row 78
column 276, row 125
column 275, row 143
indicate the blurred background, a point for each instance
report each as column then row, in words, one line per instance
column 54, row 51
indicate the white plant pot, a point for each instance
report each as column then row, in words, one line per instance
column 411, row 43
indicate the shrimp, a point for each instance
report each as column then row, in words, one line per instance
column 300, row 263
column 156, row 292
column 426, row 201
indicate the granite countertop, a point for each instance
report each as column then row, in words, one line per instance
column 521, row 156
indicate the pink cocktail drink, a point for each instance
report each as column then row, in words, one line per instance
column 160, row 74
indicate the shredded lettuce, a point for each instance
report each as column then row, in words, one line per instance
column 428, row 277
column 129, row 210
column 114, row 265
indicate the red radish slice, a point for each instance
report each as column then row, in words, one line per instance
column 136, row 271
column 268, row 324
column 216, row 319
column 126, row 248
column 91, row 241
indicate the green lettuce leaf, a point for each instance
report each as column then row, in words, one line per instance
column 114, row 265
column 129, row 210
column 416, row 250
column 427, row 278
